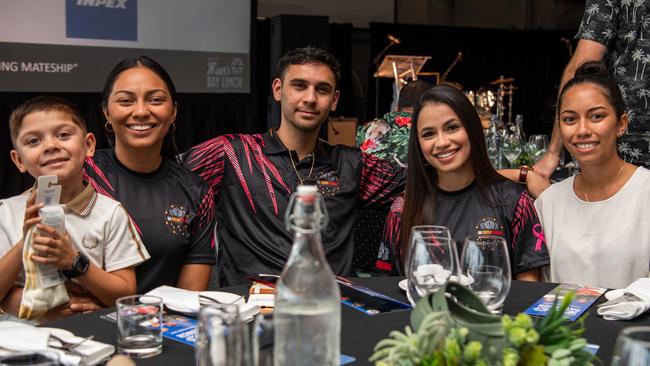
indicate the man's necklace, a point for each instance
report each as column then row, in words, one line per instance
column 311, row 170
column 293, row 164
column 608, row 187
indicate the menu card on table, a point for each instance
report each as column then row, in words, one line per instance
column 585, row 296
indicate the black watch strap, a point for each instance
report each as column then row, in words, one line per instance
column 79, row 266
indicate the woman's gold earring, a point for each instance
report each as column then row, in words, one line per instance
column 108, row 126
column 173, row 127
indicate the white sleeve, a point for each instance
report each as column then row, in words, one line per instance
column 123, row 246
column 8, row 235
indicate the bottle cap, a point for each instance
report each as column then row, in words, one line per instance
column 305, row 189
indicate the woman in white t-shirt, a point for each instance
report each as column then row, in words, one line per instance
column 596, row 222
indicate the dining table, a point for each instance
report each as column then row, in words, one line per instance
column 360, row 332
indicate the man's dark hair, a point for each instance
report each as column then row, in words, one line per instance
column 410, row 93
column 308, row 55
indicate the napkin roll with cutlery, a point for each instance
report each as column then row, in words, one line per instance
column 631, row 302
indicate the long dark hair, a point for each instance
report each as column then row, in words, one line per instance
column 169, row 148
column 422, row 178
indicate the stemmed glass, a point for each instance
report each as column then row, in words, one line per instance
column 430, row 262
column 537, row 145
column 512, row 147
column 632, row 347
column 486, row 263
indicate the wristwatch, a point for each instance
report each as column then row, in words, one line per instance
column 523, row 174
column 79, row 266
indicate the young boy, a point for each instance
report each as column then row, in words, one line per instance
column 100, row 247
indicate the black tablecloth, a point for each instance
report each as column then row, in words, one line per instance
column 361, row 332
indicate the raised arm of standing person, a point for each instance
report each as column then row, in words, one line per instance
column 535, row 182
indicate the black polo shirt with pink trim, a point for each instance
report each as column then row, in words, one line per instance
column 252, row 177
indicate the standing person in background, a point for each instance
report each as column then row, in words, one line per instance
column 616, row 32
column 171, row 207
column 253, row 176
column 387, row 137
column 596, row 221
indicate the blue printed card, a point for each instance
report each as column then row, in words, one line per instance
column 585, row 296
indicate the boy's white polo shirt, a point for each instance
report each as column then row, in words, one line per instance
column 98, row 226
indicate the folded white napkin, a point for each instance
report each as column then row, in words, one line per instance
column 178, row 299
column 188, row 302
column 19, row 337
column 634, row 301
column 16, row 336
column 93, row 352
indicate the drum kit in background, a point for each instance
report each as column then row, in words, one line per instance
column 499, row 94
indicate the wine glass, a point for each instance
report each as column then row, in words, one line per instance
column 632, row 347
column 538, row 145
column 511, row 147
column 486, row 263
column 433, row 230
column 431, row 261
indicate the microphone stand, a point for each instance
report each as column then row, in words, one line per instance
column 459, row 58
column 375, row 62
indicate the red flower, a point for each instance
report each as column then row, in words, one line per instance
column 403, row 121
column 368, row 144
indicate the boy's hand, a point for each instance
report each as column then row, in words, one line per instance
column 80, row 300
column 31, row 213
column 53, row 248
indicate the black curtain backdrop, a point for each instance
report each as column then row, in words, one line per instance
column 535, row 58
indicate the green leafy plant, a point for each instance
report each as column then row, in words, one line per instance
column 439, row 340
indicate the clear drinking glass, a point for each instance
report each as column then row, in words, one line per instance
column 538, row 145
column 139, row 325
column 486, row 263
column 223, row 339
column 511, row 147
column 431, row 261
column 632, row 347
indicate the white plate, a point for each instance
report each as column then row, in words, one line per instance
column 219, row 296
column 58, row 332
column 403, row 284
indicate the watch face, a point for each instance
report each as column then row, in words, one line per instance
column 80, row 265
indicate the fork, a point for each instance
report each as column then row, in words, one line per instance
column 630, row 297
column 70, row 346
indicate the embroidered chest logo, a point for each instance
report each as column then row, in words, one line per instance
column 328, row 183
column 489, row 226
column 89, row 242
column 176, row 219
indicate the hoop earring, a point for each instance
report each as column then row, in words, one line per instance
column 108, row 127
column 172, row 128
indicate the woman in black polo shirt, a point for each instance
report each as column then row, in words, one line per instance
column 171, row 207
column 450, row 182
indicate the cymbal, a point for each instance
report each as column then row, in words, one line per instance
column 502, row 81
